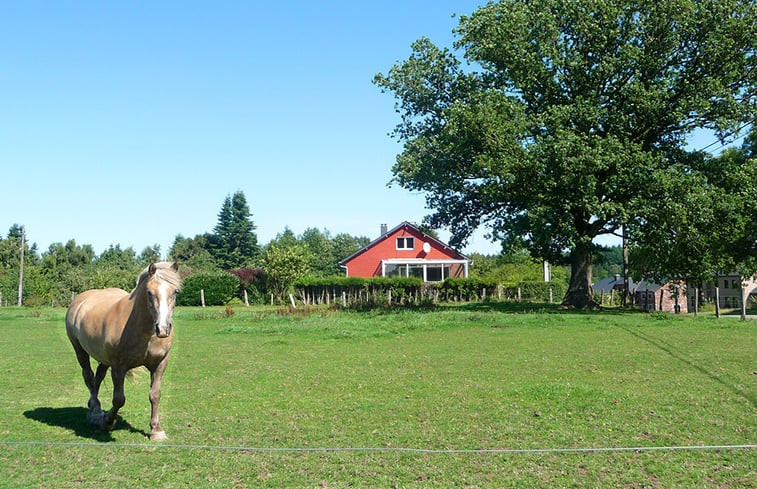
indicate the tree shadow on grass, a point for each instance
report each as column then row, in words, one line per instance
column 681, row 357
column 75, row 419
column 526, row 307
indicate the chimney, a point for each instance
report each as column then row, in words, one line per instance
column 384, row 229
column 617, row 277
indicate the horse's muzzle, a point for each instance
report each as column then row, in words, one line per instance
column 164, row 331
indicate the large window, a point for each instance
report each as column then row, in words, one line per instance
column 406, row 243
column 432, row 272
column 395, row 271
column 437, row 273
column 415, row 271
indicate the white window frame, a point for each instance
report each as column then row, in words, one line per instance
column 404, row 267
column 405, row 240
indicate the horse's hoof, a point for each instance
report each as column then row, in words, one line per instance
column 158, row 436
column 107, row 424
column 96, row 417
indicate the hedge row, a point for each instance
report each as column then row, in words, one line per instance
column 359, row 290
column 221, row 287
column 400, row 290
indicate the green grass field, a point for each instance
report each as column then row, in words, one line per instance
column 266, row 399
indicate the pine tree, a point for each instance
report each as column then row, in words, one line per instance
column 234, row 243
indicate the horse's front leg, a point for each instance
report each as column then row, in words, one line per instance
column 119, row 398
column 156, row 376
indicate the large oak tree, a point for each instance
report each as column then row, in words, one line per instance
column 563, row 113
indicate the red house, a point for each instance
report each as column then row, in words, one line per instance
column 405, row 251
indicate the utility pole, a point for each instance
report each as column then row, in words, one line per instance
column 624, row 297
column 21, row 271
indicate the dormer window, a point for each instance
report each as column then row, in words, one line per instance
column 406, row 243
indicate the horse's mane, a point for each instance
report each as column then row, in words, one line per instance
column 164, row 272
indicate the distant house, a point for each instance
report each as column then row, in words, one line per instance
column 730, row 288
column 648, row 296
column 406, row 251
column 667, row 297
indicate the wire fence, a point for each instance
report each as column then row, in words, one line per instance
column 433, row 451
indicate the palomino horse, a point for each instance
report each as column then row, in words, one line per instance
column 123, row 331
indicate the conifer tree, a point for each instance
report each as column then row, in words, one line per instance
column 234, row 243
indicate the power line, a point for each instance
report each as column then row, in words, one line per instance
column 723, row 145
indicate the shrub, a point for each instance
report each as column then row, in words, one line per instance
column 467, row 288
column 219, row 287
column 539, row 291
column 252, row 280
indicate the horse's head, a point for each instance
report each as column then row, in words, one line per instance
column 162, row 284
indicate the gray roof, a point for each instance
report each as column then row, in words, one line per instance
column 607, row 284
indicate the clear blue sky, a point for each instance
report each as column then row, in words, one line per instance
column 130, row 122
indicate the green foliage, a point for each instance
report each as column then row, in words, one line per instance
column 371, row 292
column 64, row 270
column 10, row 260
column 115, row 257
column 150, row 254
column 701, row 219
column 467, row 288
column 608, row 263
column 254, row 282
column 361, row 292
column 566, row 114
column 192, row 253
column 219, row 288
column 284, row 265
column 539, row 291
column 323, row 263
column 513, row 267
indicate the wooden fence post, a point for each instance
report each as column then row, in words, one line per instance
column 202, row 297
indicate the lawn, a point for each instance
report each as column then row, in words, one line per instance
column 403, row 398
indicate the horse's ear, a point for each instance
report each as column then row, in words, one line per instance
column 151, row 269
column 175, row 266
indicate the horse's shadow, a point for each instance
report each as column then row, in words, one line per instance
column 75, row 419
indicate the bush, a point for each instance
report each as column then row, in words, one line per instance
column 468, row 289
column 252, row 280
column 219, row 287
column 539, row 291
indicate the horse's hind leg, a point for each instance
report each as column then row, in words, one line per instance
column 90, row 380
column 94, row 402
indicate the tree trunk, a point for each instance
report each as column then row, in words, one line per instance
column 579, row 294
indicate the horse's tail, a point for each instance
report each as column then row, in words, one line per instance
column 136, row 373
